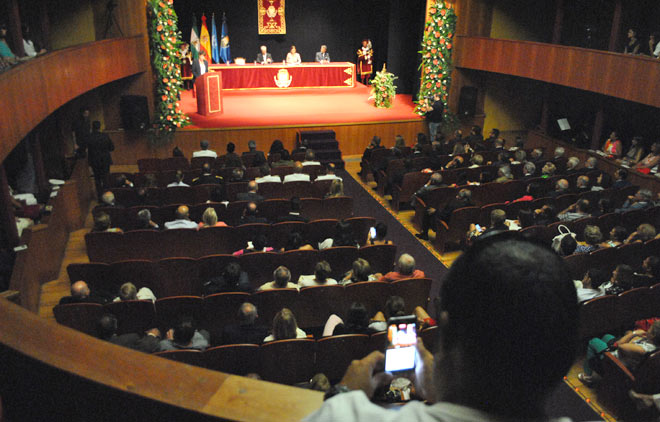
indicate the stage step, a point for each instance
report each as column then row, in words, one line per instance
column 324, row 144
column 312, row 135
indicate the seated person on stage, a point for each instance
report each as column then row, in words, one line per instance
column 258, row 244
column 251, row 215
column 207, row 177
column 205, row 151
column 281, row 280
column 323, row 56
column 80, row 293
column 298, row 175
column 258, row 157
column 251, row 195
column 182, row 220
column 264, row 171
column 264, row 57
column 184, row 336
column 487, row 365
column 231, row 158
column 128, row 291
column 329, row 173
column 285, row 327
column 321, row 276
column 210, row 219
column 147, row 343
column 293, row 57
column 407, row 269
column 178, row 180
column 233, row 279
column 248, row 330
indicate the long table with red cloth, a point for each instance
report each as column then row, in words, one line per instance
column 306, row 75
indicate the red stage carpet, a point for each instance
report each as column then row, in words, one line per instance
column 292, row 107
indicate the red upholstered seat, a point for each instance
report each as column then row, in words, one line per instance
column 300, row 189
column 317, row 303
column 312, row 208
column 372, row 294
column 148, row 164
column 361, row 226
column 335, row 354
column 459, row 223
column 321, row 187
column 198, row 162
column 133, row 316
column 271, row 190
column 179, row 277
column 288, row 361
column 143, row 244
column 126, row 197
column 631, row 306
column 190, row 357
column 414, row 291
column 170, row 310
column 221, row 309
column 597, row 316
column 233, row 188
column 174, row 164
column 271, row 209
column 259, row 266
column 213, row 265
column 140, row 272
column 248, row 232
column 179, row 242
column 380, row 257
column 340, row 259
column 578, row 264
column 237, row 359
column 79, row 316
column 105, row 246
column 338, row 207
column 97, row 275
column 270, row 302
column 217, row 240
column 605, row 259
column 378, row 341
column 299, row 262
column 235, row 211
column 319, row 230
column 179, row 195
column 429, row 336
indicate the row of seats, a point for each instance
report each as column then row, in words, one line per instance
column 177, row 276
column 311, row 305
column 154, row 244
column 182, row 163
column 340, row 207
column 291, row 361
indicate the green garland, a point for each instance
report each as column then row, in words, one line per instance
column 383, row 89
column 165, row 43
column 436, row 56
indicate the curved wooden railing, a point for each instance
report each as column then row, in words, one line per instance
column 55, row 366
column 633, row 78
column 35, row 89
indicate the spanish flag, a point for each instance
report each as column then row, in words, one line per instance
column 205, row 39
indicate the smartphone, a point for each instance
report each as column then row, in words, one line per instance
column 372, row 233
column 401, row 352
column 478, row 227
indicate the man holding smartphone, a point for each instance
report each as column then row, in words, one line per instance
column 507, row 335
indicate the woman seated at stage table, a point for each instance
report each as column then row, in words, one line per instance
column 293, row 57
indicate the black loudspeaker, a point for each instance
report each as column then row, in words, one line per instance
column 467, row 102
column 134, row 112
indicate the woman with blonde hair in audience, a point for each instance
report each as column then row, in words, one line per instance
column 592, row 239
column 285, row 327
column 336, row 189
column 644, row 232
column 361, row 271
column 210, row 219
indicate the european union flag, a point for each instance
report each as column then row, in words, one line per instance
column 214, row 41
column 225, row 53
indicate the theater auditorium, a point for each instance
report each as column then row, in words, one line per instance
column 329, row 211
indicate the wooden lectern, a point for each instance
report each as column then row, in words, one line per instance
column 209, row 93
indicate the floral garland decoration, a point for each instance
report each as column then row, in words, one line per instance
column 436, row 56
column 165, row 58
column 383, row 89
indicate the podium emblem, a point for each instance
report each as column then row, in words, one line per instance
column 283, row 79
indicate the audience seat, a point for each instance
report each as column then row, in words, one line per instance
column 316, row 304
column 169, row 310
column 271, row 190
column 335, row 354
column 235, row 212
column 143, row 245
column 603, row 258
column 288, row 361
column 190, row 357
column 217, row 240
column 179, row 195
column 299, row 262
column 319, row 230
column 429, row 336
column 213, row 265
column 179, row 277
column 234, row 188
column 378, row 341
column 272, row 209
column 340, row 259
column 174, row 164
column 221, row 309
column 312, row 208
column 459, row 224
column 380, row 257
column 633, row 254
column 372, row 294
column 270, row 302
column 631, row 306
column 105, row 246
column 97, row 275
column 148, row 164
column 133, row 316
column 410, row 184
column 140, row 272
column 179, row 242
column 415, row 291
column 361, row 226
column 340, row 207
column 248, row 232
column 259, row 266
column 198, row 162
column 577, row 264
column 237, row 359
column 83, row 317
column 300, row 189
column 597, row 317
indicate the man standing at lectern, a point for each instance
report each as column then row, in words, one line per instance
column 200, row 66
column 264, row 57
column 323, row 56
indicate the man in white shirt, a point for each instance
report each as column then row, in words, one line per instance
column 281, row 280
column 178, row 181
column 298, row 175
column 329, row 173
column 182, row 220
column 591, row 282
column 128, row 291
column 205, row 151
column 497, row 356
column 266, row 176
column 310, row 159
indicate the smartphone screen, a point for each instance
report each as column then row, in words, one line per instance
column 478, row 227
column 372, row 232
column 401, row 352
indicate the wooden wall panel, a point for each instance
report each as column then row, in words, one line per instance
column 632, row 78
column 33, row 90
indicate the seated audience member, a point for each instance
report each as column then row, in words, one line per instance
column 613, row 145
column 147, row 343
column 295, row 242
column 264, row 171
column 635, row 153
column 561, row 188
column 477, row 160
column 525, row 218
column 357, row 322
column 232, row 279
column 178, row 180
column 276, row 148
column 381, row 235
column 591, row 164
column 643, row 233
column 652, row 159
column 456, row 162
column 577, row 210
column 567, row 246
column 633, row 45
column 591, row 282
column 217, row 194
column 210, row 219
column 102, row 223
column 336, row 189
column 298, row 175
column 108, row 200
column 251, row 194
column 502, row 159
column 310, row 159
column 545, row 215
column 395, row 307
column 650, row 272
column 205, row 151
column 620, row 281
column 295, row 212
column 559, row 153
column 176, row 152
column 182, row 220
column 248, row 330
column 343, row 236
column 258, row 244
column 207, row 177
column 258, row 157
column 284, row 160
column 80, row 293
column 504, row 174
column 374, row 144
column 395, row 178
column 360, row 271
column 433, row 217
column 605, row 206
column 621, row 179
column 281, row 280
column 548, row 170
column 592, row 239
column 536, row 156
column 329, row 173
column 231, row 159
column 582, row 184
column 463, row 381
column 251, row 215
column 184, row 336
column 529, row 170
column 121, row 181
column 533, row 190
column 617, row 236
column 406, row 269
column 572, row 166
column 498, row 224
column 285, row 327
column 144, row 220
column 603, row 181
column 321, row 276
column 519, row 157
column 237, row 175
column 631, row 349
column 128, row 291
column 639, row 201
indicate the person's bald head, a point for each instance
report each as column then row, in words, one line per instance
column 263, row 49
column 247, row 313
column 297, row 167
column 252, row 186
column 251, row 209
column 108, row 198
column 182, row 212
column 80, row 289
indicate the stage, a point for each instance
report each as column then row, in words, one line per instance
column 302, row 107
